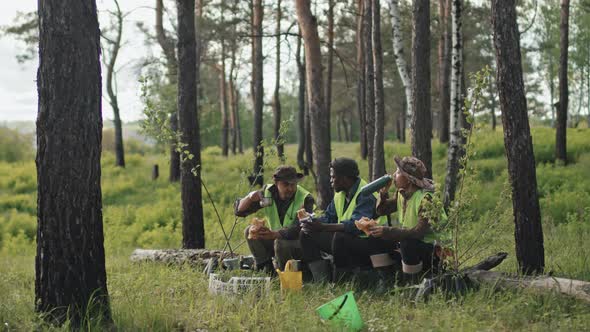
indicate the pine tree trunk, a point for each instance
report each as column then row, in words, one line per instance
column 369, row 83
column 320, row 126
column 517, row 139
column 444, row 50
column 360, row 82
column 379, row 140
column 223, row 102
column 193, row 230
column 330, row 56
column 257, row 91
column 561, row 125
column 421, row 117
column 172, row 69
column 276, row 101
column 401, row 63
column 455, row 143
column 301, row 133
column 70, row 275
column 552, row 92
column 232, row 105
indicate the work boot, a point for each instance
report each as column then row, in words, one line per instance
column 266, row 267
column 386, row 278
column 320, row 270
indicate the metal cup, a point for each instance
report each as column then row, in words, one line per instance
column 266, row 201
column 231, row 263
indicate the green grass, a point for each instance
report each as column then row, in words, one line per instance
column 139, row 212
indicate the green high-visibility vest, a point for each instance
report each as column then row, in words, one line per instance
column 272, row 213
column 409, row 217
column 340, row 200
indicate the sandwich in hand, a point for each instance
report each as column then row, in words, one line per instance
column 256, row 224
column 365, row 224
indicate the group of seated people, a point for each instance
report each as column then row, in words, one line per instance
column 356, row 228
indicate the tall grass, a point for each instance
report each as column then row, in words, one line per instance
column 139, row 212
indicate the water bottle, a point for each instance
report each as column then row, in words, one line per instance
column 376, row 184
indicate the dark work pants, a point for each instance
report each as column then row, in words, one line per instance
column 348, row 250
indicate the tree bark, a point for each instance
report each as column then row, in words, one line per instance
column 257, row 91
column 561, row 125
column 517, row 139
column 455, row 144
column 444, row 50
column 276, row 101
column 70, row 275
column 223, row 94
column 320, row 126
column 301, row 110
column 193, row 230
column 233, row 137
column 379, row 139
column 401, row 63
column 172, row 68
column 421, row 116
column 330, row 56
column 369, row 83
column 360, row 83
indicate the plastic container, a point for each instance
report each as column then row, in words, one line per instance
column 377, row 184
column 238, row 285
column 342, row 313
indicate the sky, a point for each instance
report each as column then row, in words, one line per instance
column 18, row 89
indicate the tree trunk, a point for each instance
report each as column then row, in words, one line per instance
column 369, row 83
column 276, row 101
column 492, row 105
column 257, row 91
column 223, row 102
column 444, row 49
column 378, row 149
column 232, row 105
column 330, row 58
column 455, row 144
column 113, row 52
column 238, row 127
column 517, row 139
column 552, row 92
column 339, row 126
column 421, row 117
column 561, row 125
column 320, row 126
column 70, row 275
column 172, row 69
column 360, row 83
column 401, row 63
column 308, row 142
column 193, row 230
column 301, row 110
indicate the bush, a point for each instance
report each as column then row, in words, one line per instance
column 15, row 146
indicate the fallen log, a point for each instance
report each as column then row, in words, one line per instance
column 179, row 256
column 575, row 288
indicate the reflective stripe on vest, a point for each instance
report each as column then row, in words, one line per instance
column 272, row 213
column 409, row 217
column 340, row 199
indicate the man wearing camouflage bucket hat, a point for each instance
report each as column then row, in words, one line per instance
column 280, row 202
column 415, row 236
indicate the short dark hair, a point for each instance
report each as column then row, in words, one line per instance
column 345, row 167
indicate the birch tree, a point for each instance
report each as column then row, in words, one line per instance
column 400, row 60
column 456, row 104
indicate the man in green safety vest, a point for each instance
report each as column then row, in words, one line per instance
column 280, row 202
column 335, row 232
column 416, row 237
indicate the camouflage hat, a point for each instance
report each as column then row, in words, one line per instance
column 414, row 169
column 287, row 174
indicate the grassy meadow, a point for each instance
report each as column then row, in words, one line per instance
column 141, row 213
